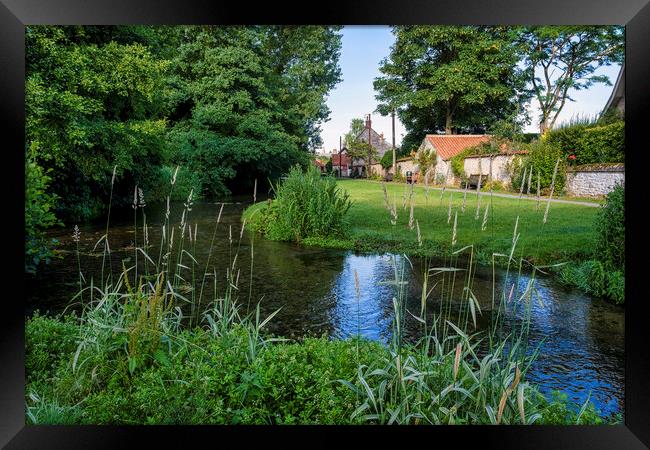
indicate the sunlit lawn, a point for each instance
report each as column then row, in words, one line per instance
column 568, row 234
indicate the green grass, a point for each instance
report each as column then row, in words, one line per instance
column 208, row 379
column 569, row 233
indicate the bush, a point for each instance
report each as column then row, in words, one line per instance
column 305, row 205
column 541, row 158
column 591, row 143
column 610, row 225
column 592, row 277
column 47, row 341
column 386, row 160
column 186, row 180
column 39, row 215
column 207, row 379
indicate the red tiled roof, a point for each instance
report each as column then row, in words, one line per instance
column 449, row 145
column 503, row 152
column 345, row 160
column 319, row 163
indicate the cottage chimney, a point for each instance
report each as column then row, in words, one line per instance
column 368, row 121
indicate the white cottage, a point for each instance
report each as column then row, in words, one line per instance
column 446, row 147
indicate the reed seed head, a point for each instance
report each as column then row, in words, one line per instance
column 357, row 288
column 141, row 198
column 459, row 348
column 76, row 234
column 485, row 216
column 453, row 235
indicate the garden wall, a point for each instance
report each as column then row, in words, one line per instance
column 593, row 180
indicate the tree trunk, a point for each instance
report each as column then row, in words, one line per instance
column 448, row 121
column 543, row 126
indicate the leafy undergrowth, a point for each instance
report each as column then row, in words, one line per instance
column 200, row 378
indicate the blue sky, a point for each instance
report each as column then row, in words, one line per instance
column 362, row 50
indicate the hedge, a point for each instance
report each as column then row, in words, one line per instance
column 590, row 143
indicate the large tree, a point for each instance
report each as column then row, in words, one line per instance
column 249, row 100
column 452, row 79
column 304, row 64
column 560, row 59
column 93, row 99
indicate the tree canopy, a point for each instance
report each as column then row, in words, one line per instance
column 563, row 58
column 456, row 79
column 226, row 103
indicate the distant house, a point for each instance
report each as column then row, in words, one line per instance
column 320, row 164
column 341, row 164
column 446, row 147
column 377, row 141
column 617, row 99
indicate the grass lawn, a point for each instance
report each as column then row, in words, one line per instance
column 569, row 233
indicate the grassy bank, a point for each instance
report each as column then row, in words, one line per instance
column 200, row 378
column 568, row 234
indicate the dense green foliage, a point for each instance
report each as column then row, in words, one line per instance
column 605, row 274
column 592, row 277
column 249, row 100
column 449, row 78
column 610, row 225
column 306, row 204
column 205, row 379
column 541, row 159
column 231, row 104
column 591, row 143
column 458, row 160
column 94, row 98
column 561, row 59
column 39, row 215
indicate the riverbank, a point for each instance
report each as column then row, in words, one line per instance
column 567, row 236
column 199, row 377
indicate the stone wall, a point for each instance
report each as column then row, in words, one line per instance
column 594, row 180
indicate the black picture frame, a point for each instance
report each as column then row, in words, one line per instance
column 634, row 14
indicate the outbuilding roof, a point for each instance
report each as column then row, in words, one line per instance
column 449, row 145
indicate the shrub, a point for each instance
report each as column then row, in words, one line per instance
column 39, row 215
column 616, row 286
column 386, row 160
column 541, row 158
column 591, row 143
column 592, row 278
column 305, row 205
column 610, row 225
column 186, row 180
column 47, row 340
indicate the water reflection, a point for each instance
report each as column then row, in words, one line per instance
column 582, row 336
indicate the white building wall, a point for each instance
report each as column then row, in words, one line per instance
column 497, row 165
